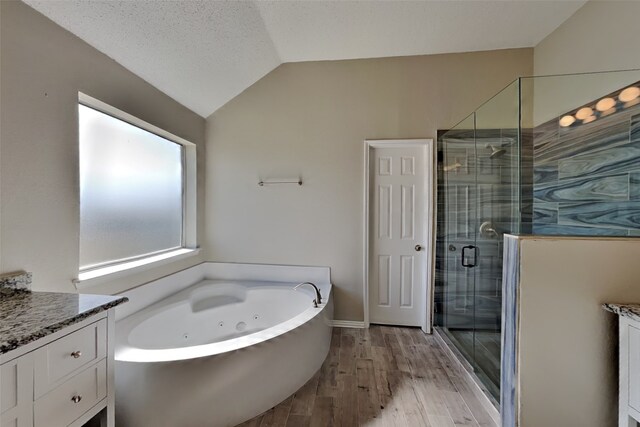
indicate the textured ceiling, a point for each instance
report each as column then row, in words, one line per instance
column 312, row 30
column 204, row 53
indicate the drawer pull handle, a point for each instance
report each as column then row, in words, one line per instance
column 76, row 399
column 76, row 354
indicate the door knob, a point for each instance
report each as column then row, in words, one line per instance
column 418, row 248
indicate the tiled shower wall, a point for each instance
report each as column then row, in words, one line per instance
column 587, row 176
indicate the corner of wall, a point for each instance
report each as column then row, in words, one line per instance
column 600, row 36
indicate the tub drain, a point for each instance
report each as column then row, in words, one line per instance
column 241, row 326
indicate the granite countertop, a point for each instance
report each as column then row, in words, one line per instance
column 27, row 316
column 631, row 311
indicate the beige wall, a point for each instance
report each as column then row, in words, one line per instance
column 311, row 119
column 557, row 95
column 42, row 69
column 601, row 36
column 568, row 356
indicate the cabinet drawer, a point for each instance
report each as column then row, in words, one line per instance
column 57, row 361
column 64, row 404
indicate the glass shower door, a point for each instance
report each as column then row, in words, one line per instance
column 481, row 170
column 459, row 172
column 497, row 213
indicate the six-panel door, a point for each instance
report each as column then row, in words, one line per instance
column 398, row 248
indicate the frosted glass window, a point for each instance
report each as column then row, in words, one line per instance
column 131, row 190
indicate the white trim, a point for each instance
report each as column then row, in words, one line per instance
column 89, row 278
column 348, row 324
column 431, row 163
column 430, row 221
column 105, row 108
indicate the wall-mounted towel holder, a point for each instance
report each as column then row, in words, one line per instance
column 262, row 183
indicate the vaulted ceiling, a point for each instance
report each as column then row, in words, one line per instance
column 204, row 53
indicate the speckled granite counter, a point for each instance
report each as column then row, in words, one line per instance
column 27, row 316
column 631, row 311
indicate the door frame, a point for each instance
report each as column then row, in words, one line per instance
column 429, row 153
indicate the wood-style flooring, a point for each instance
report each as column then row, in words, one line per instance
column 485, row 346
column 382, row 376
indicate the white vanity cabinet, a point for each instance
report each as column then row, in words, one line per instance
column 629, row 392
column 63, row 379
column 16, row 392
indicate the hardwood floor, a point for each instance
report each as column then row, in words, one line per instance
column 486, row 349
column 382, row 376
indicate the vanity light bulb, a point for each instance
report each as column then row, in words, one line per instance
column 629, row 94
column 583, row 113
column 632, row 103
column 605, row 104
column 589, row 119
column 567, row 121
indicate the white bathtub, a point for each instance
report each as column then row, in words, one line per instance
column 220, row 351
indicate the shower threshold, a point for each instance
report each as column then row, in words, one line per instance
column 484, row 394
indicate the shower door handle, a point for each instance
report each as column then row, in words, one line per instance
column 464, row 256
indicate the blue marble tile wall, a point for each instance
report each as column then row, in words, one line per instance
column 586, row 177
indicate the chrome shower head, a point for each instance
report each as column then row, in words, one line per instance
column 495, row 151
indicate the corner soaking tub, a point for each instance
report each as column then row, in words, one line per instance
column 218, row 353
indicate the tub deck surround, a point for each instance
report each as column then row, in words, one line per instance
column 143, row 296
column 28, row 316
column 241, row 314
column 632, row 311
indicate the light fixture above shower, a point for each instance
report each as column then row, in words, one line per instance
column 626, row 98
column 567, row 121
column 605, row 104
column 584, row 112
column 629, row 94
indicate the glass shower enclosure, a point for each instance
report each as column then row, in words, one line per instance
column 555, row 155
column 481, row 169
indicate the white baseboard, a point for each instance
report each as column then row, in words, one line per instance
column 348, row 324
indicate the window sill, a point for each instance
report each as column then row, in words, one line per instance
column 98, row 276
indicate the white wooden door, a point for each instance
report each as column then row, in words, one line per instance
column 398, row 248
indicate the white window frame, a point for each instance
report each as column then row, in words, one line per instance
column 100, row 274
